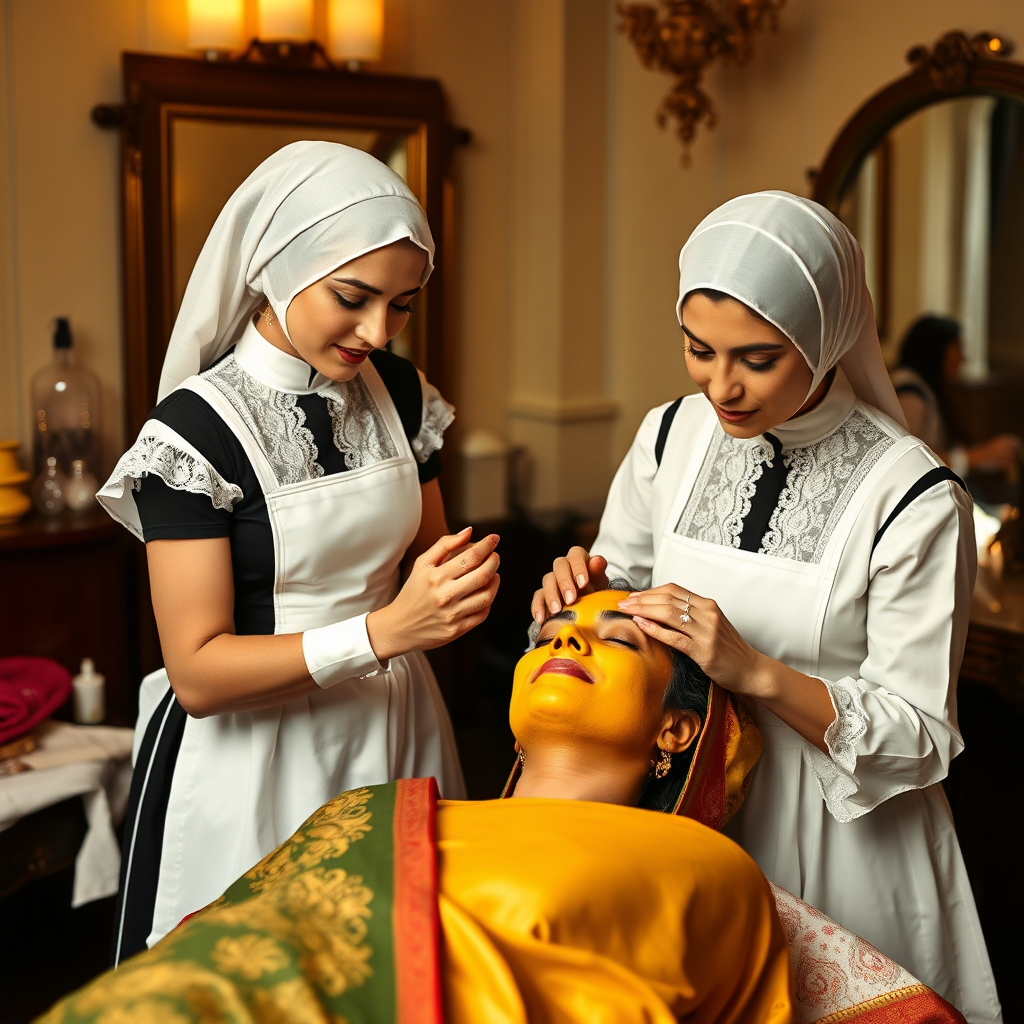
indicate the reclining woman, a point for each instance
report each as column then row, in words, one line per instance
column 566, row 903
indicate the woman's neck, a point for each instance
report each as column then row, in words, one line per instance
column 819, row 394
column 562, row 774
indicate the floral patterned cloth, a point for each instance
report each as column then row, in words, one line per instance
column 840, row 977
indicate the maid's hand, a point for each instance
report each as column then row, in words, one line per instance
column 697, row 626
column 577, row 573
column 449, row 591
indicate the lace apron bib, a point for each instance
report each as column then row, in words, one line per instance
column 244, row 782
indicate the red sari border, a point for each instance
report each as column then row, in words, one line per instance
column 916, row 1004
column 414, row 915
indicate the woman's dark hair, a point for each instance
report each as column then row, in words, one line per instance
column 688, row 690
column 716, row 296
column 924, row 350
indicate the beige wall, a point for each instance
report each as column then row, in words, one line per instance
column 572, row 204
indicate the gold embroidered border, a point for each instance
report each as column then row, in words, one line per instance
column 873, row 1004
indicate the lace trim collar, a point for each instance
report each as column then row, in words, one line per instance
column 829, row 414
column 274, row 368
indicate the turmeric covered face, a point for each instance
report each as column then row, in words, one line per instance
column 595, row 678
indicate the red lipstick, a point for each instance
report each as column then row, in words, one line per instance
column 564, row 667
column 734, row 417
column 351, row 355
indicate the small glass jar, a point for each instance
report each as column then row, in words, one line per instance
column 48, row 490
column 81, row 487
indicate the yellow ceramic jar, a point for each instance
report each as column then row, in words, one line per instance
column 14, row 502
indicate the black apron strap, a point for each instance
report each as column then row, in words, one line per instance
column 928, row 481
column 666, row 425
column 144, row 828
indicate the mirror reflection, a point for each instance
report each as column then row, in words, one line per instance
column 211, row 158
column 938, row 208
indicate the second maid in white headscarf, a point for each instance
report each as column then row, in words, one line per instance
column 810, row 555
column 284, row 479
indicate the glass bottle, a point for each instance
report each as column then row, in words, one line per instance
column 81, row 487
column 66, row 408
column 48, row 490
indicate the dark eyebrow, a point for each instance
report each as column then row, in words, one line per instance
column 356, row 283
column 759, row 346
column 565, row 615
column 616, row 615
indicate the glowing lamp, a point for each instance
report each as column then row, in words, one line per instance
column 215, row 24
column 287, row 20
column 356, row 30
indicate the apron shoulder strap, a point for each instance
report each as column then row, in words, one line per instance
column 928, row 481
column 663, row 430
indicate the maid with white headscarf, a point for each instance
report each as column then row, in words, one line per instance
column 286, row 475
column 810, row 554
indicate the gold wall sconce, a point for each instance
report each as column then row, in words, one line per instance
column 285, row 30
column 683, row 38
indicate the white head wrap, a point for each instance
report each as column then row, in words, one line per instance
column 799, row 267
column 304, row 212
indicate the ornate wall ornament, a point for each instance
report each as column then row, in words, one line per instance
column 683, row 38
column 951, row 62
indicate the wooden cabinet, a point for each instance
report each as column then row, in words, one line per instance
column 73, row 587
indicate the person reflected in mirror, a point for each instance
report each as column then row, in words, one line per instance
column 930, row 359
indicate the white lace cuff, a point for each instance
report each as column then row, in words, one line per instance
column 836, row 771
column 438, row 416
column 340, row 651
column 162, row 452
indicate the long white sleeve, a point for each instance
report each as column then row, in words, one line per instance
column 896, row 726
column 626, row 536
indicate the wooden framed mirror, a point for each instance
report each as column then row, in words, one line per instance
column 916, row 172
column 193, row 130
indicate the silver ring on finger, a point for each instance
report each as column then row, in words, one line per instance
column 685, row 617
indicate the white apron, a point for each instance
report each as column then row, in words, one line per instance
column 243, row 783
column 894, row 876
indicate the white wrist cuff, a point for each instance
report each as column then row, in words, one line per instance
column 340, row 651
column 958, row 461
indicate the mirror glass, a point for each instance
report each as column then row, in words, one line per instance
column 938, row 207
column 211, row 158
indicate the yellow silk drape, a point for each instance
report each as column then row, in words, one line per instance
column 565, row 912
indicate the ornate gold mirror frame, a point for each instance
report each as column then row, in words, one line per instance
column 955, row 66
column 164, row 92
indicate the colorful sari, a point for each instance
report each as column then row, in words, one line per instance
column 389, row 905
column 338, row 924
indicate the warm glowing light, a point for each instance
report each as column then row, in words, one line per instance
column 356, row 29
column 60, row 386
column 215, row 24
column 290, row 20
column 995, row 45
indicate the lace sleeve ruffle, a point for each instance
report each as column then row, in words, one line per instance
column 438, row 416
column 172, row 459
column 835, row 771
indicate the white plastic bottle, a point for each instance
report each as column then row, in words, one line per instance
column 87, row 688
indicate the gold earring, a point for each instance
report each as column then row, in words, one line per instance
column 664, row 765
column 522, row 758
column 267, row 315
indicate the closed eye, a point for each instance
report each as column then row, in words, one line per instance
column 348, row 303
column 406, row 308
column 623, row 643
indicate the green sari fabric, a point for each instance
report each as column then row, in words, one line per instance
column 338, row 925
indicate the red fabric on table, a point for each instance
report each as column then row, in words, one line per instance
column 31, row 689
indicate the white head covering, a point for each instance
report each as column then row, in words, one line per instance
column 304, row 212
column 799, row 267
